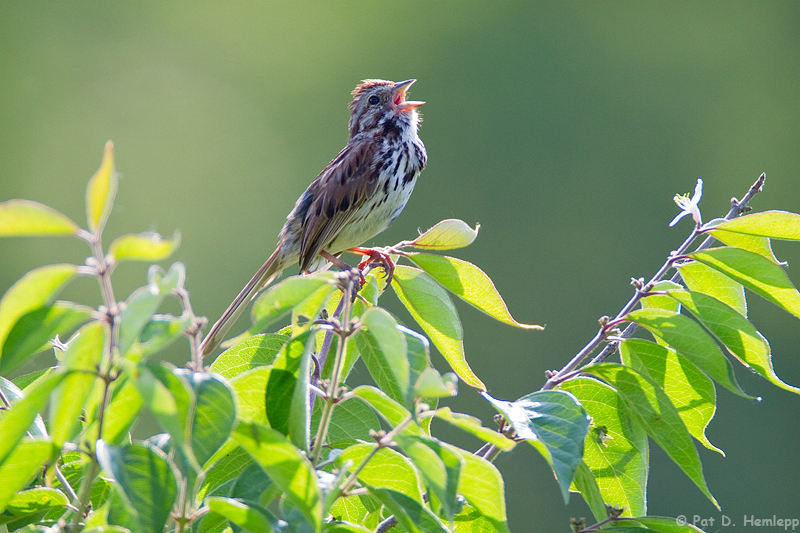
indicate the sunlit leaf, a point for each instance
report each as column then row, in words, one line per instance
column 554, row 419
column 82, row 359
column 285, row 465
column 735, row 332
column 352, row 420
column 431, row 307
column 756, row 273
column 387, row 469
column 690, row 391
column 278, row 300
column 448, row 234
column 15, row 422
column 412, row 516
column 430, row 384
column 586, row 483
column 469, row 283
column 35, row 289
column 482, row 485
column 159, row 332
column 213, row 413
column 249, row 517
column 691, row 341
column 20, row 466
column 169, row 398
column 35, row 500
column 388, row 409
column 144, row 479
column 143, row 247
column 13, row 394
column 662, row 301
column 772, row 224
column 253, row 352
column 652, row 409
column 440, row 468
column 101, row 190
column 383, row 348
column 145, row 301
column 34, row 330
column 27, row 218
column 287, row 393
column 472, row 425
column 248, row 389
column 701, row 278
column 121, row 413
column 751, row 243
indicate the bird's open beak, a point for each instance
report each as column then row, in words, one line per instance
column 399, row 96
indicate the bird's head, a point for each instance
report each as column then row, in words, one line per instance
column 377, row 101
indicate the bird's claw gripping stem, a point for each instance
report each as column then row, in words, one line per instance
column 376, row 258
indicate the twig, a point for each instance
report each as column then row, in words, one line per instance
column 738, row 207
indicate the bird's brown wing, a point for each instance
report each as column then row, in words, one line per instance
column 337, row 193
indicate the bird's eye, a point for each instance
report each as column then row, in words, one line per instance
column 373, row 100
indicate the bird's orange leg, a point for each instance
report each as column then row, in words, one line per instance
column 376, row 257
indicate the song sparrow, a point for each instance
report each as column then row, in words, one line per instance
column 358, row 195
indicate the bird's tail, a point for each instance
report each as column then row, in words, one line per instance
column 270, row 270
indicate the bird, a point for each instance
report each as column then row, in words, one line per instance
column 357, row 196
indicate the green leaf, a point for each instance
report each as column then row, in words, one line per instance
column 383, row 349
column 586, row 483
column 391, row 411
column 287, row 393
column 213, row 414
column 755, row 272
column 352, row 420
column 701, row 278
column 34, row 330
column 35, row 289
column 226, row 471
column 147, row 246
column 144, row 479
column 736, row 333
column 21, row 466
column 470, row 520
column 439, row 466
column 387, row 469
column 252, row 518
column 145, row 301
column 248, row 389
column 751, row 243
column 482, row 485
column 82, row 359
column 690, row 391
column 772, row 224
column 169, row 398
column 285, row 465
column 448, row 234
column 120, row 414
column 661, row 301
column 691, row 341
column 13, row 394
column 35, row 500
column 556, row 420
column 431, row 384
column 431, row 307
column 15, row 422
column 472, row 425
column 410, row 514
column 252, row 352
column 654, row 524
column 653, row 410
column 278, row 300
column 100, row 191
column 159, row 332
column 342, row 527
column 469, row 283
column 20, row 218
column 615, row 447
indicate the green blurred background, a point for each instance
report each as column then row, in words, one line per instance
column 564, row 128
